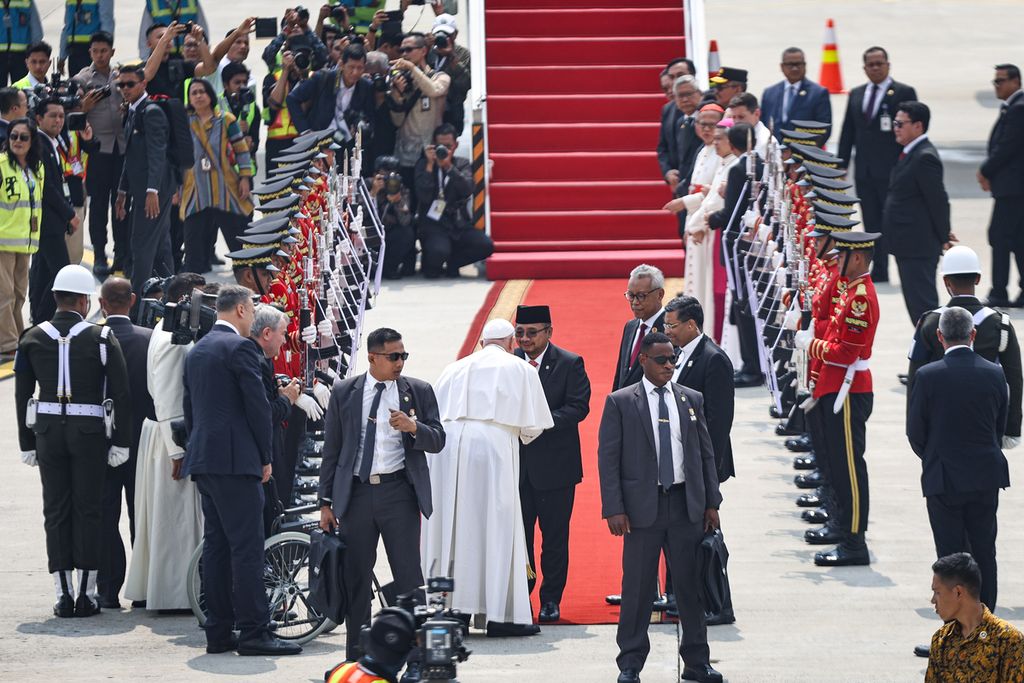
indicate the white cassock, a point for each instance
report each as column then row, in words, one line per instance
column 168, row 513
column 488, row 401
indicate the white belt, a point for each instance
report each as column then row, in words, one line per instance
column 859, row 365
column 79, row 409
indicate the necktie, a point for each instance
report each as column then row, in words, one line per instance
column 788, row 104
column 903, row 155
column 869, row 110
column 666, row 470
column 370, row 440
column 533, row 363
column 636, row 347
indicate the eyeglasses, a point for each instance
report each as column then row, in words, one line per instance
column 874, row 65
column 394, row 356
column 899, row 124
column 639, row 296
column 997, row 81
column 707, row 124
column 127, row 84
column 793, row 65
column 672, row 326
column 663, row 360
column 20, row 137
column 523, row 332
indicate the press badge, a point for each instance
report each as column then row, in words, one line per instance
column 77, row 168
column 425, row 103
column 205, row 164
column 885, row 123
column 436, row 209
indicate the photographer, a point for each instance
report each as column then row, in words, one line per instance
column 102, row 106
column 335, row 98
column 73, row 146
column 239, row 98
column 387, row 643
column 237, row 52
column 295, row 25
column 444, row 185
column 453, row 60
column 163, row 13
column 276, row 86
column 37, row 64
column 417, row 102
column 166, row 73
column 383, row 141
column 392, row 203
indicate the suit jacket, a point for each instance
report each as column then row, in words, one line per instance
column 710, row 372
column 1004, row 166
column 145, row 157
column 627, row 457
column 735, row 194
column 916, row 214
column 626, row 374
column 134, row 342
column 956, row 418
column 227, row 414
column 57, row 210
column 668, row 151
column 343, row 423
column 810, row 103
column 678, row 144
column 280, row 406
column 877, row 150
column 553, row 459
column 312, row 102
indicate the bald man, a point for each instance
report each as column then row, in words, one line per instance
column 116, row 300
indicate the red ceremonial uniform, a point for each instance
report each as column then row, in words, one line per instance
column 288, row 360
column 848, row 338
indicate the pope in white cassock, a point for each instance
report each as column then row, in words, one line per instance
column 489, row 402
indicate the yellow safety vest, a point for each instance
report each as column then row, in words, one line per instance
column 281, row 126
column 21, row 200
column 350, row 672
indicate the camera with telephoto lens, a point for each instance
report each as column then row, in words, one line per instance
column 441, row 152
column 302, row 50
column 392, row 183
column 103, row 90
column 440, row 632
column 441, row 40
column 339, row 13
column 190, row 319
column 151, row 313
column 65, row 92
column 243, row 98
column 379, row 82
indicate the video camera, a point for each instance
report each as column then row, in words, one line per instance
column 189, row 320
column 440, row 633
column 65, row 92
column 240, row 99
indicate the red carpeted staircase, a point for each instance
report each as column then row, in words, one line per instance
column 573, row 110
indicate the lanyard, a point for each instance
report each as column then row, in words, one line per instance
column 442, row 181
column 30, row 181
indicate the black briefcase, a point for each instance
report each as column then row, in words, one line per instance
column 327, row 591
column 714, row 560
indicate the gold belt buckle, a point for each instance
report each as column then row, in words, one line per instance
column 374, row 479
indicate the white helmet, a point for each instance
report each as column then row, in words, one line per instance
column 960, row 261
column 74, row 279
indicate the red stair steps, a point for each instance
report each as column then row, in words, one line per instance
column 574, row 108
column 546, row 80
column 578, row 196
column 581, row 264
column 502, row 23
column 619, row 6
column 512, row 226
column 573, row 137
column 584, row 245
column 575, row 166
column 584, row 50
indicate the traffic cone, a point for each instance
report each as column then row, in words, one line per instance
column 714, row 61
column 831, row 77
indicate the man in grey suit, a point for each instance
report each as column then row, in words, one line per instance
column 149, row 178
column 659, row 488
column 374, row 480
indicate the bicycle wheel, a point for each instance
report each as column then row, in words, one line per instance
column 286, row 577
column 194, row 585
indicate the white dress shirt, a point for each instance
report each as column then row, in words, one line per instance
column 388, row 449
column 913, row 143
column 647, row 330
column 674, row 426
column 686, row 354
column 539, row 359
column 228, row 325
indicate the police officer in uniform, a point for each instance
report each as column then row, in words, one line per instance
column 844, row 397
column 995, row 339
column 80, row 423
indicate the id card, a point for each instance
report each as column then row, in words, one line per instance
column 885, row 123
column 436, row 210
column 425, row 103
column 77, row 168
column 205, row 164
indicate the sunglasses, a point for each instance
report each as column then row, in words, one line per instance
column 20, row 137
column 407, row 50
column 394, row 357
column 523, row 332
column 127, row 84
column 663, row 360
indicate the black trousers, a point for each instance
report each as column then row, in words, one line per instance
column 233, row 556
column 814, row 420
column 1006, row 236
column 844, row 434
column 641, row 549
column 101, row 184
column 113, row 566
column 12, row 67
column 78, row 58
column 741, row 315
column 72, row 460
column 51, row 257
column 288, row 458
column 387, row 510
column 449, row 248
column 552, row 509
column 201, row 236
column 151, row 245
column 872, row 192
column 917, row 280
column 966, row 522
column 401, row 243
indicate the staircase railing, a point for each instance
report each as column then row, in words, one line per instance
column 481, row 213
column 696, row 37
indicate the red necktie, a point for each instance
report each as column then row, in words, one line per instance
column 636, row 347
column 533, row 363
column 903, row 155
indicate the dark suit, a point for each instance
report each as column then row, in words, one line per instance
column 146, row 166
column 312, row 103
column 877, row 151
column 228, row 419
column 280, row 410
column 134, row 342
column 1004, row 168
column 626, row 373
column 627, row 458
column 551, row 465
column 53, row 227
column 391, row 508
column 810, row 102
column 916, row 220
column 678, row 146
column 957, row 416
column 710, row 372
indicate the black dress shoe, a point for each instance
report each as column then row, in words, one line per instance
column 902, row 377
column 613, row 599
column 268, row 645
column 722, row 618
column 549, row 612
column 809, row 500
column 85, row 607
column 840, row 556
column 826, row 535
column 229, row 645
column 100, row 269
column 811, row 480
column 799, row 444
column 704, row 674
column 742, row 380
column 922, row 651
column 108, row 603
column 175, row 612
column 216, row 260
column 504, row 629
column 663, row 602
column 805, row 462
column 775, row 414
column 628, row 676
column 782, row 430
column 65, row 607
column 816, row 516
column 138, row 604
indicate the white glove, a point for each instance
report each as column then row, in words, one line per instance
column 29, row 458
column 309, row 334
column 803, row 339
column 310, row 406
column 791, row 321
column 117, row 456
column 1010, row 442
column 322, row 392
column 324, row 328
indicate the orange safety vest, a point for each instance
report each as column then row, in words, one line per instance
column 72, row 159
column 280, row 128
column 351, row 672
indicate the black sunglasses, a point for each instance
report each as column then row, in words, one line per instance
column 523, row 332
column 20, row 137
column 406, row 50
column 663, row 360
column 394, row 356
column 127, row 84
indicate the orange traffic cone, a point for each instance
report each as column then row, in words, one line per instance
column 831, row 77
column 714, row 61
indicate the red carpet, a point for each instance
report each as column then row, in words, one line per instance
column 572, row 131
